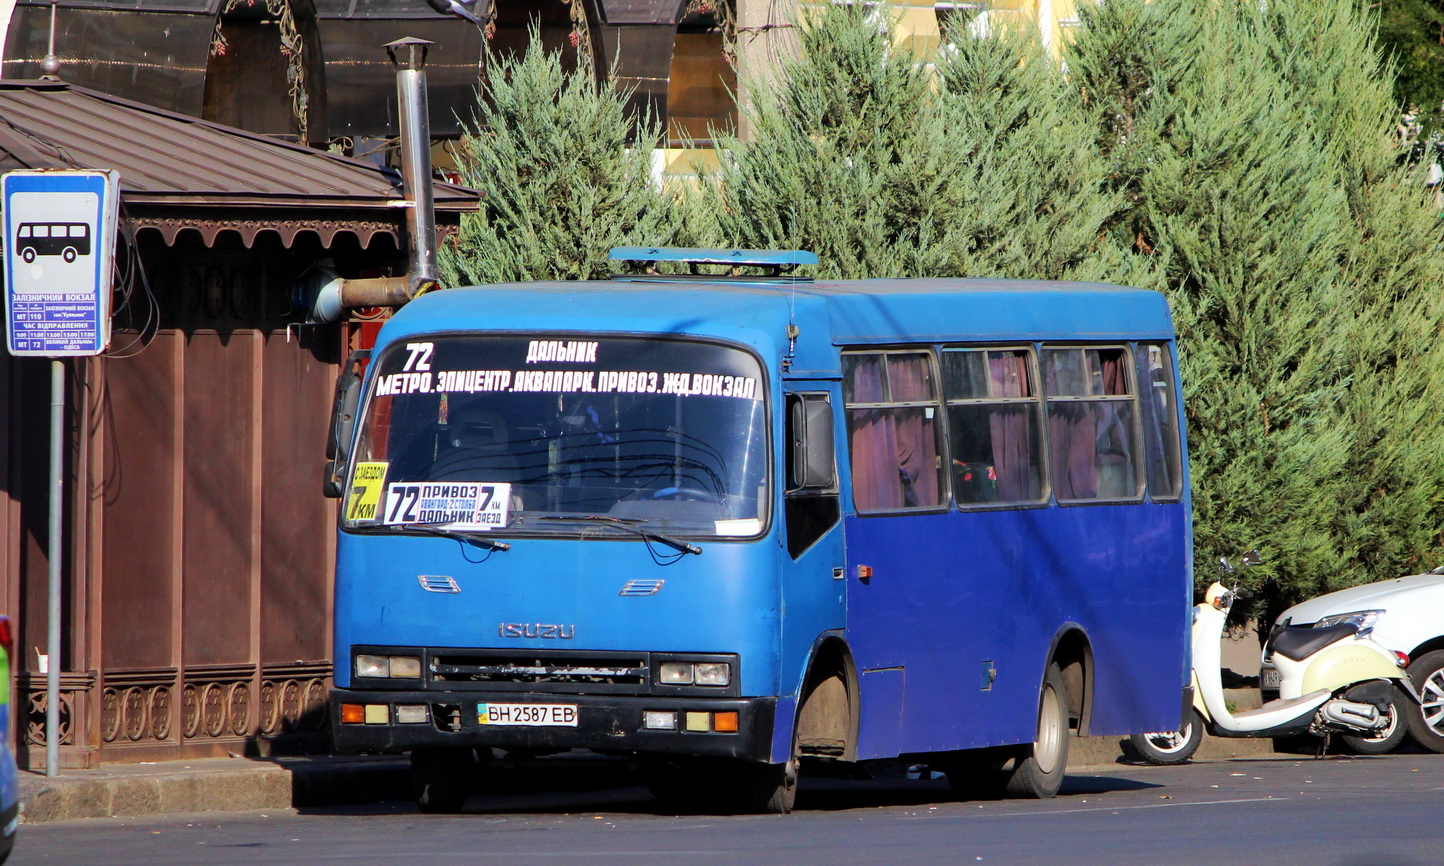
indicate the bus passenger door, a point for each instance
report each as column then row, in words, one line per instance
column 812, row 561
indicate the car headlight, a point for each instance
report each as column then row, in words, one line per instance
column 1361, row 618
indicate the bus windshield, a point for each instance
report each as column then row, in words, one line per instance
column 539, row 435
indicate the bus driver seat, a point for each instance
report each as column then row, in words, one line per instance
column 477, row 448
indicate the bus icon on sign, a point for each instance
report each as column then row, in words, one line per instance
column 66, row 240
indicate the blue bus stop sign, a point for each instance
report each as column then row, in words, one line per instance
column 59, row 239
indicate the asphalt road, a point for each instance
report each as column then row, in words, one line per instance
column 1380, row 811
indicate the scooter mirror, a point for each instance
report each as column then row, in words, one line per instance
column 1252, row 558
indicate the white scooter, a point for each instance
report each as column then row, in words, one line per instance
column 1340, row 681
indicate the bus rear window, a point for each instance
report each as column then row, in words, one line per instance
column 1091, row 423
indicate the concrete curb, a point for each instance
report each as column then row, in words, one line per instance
column 223, row 784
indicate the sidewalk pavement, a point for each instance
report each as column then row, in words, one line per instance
column 244, row 784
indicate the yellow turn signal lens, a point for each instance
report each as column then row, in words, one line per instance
column 724, row 723
column 352, row 714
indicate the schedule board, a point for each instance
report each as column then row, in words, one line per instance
column 59, row 238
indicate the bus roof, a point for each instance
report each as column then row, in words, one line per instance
column 828, row 314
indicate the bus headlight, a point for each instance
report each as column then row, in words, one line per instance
column 695, row 673
column 373, row 666
column 381, row 667
column 713, row 673
column 677, row 673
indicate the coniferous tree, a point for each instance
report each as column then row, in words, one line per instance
column 1253, row 141
column 566, row 175
column 841, row 161
column 1031, row 193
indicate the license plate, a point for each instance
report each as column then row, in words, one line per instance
column 1268, row 678
column 529, row 715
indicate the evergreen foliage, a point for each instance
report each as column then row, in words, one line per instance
column 1300, row 262
column 882, row 166
column 841, row 161
column 1412, row 33
column 565, row 173
column 1238, row 156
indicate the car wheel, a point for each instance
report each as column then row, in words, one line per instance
column 1426, row 722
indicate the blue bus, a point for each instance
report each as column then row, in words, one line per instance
column 726, row 524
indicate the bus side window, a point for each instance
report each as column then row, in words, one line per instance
column 1091, row 424
column 892, row 406
column 1158, row 410
column 995, row 426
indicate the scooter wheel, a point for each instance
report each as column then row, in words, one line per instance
column 1170, row 747
column 1388, row 739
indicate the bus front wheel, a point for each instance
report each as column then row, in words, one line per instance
column 1039, row 771
column 28, row 254
column 441, row 779
column 769, row 789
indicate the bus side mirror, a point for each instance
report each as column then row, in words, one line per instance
column 810, row 424
column 343, row 422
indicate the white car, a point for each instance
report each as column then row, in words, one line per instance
column 1407, row 616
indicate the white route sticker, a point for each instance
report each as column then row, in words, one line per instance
column 465, row 505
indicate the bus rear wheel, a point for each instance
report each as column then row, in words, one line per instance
column 441, row 779
column 1038, row 772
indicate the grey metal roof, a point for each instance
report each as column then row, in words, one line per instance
column 189, row 166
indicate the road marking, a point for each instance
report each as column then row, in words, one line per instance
column 1126, row 808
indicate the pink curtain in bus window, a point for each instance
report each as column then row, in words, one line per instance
column 875, row 484
column 1009, row 426
column 917, row 458
column 917, row 446
column 874, row 441
column 1073, row 430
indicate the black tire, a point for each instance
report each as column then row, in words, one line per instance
column 768, row 789
column 441, row 779
column 1391, row 736
column 684, row 785
column 28, row 254
column 68, row 254
column 1038, row 772
column 1170, row 747
column 1426, row 723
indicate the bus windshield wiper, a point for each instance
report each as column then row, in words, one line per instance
column 676, row 544
column 472, row 538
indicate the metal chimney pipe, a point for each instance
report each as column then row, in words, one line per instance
column 409, row 57
column 327, row 296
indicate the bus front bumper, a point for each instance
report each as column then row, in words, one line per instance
column 398, row 721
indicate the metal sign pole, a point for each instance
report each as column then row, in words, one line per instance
column 57, row 231
column 57, row 502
